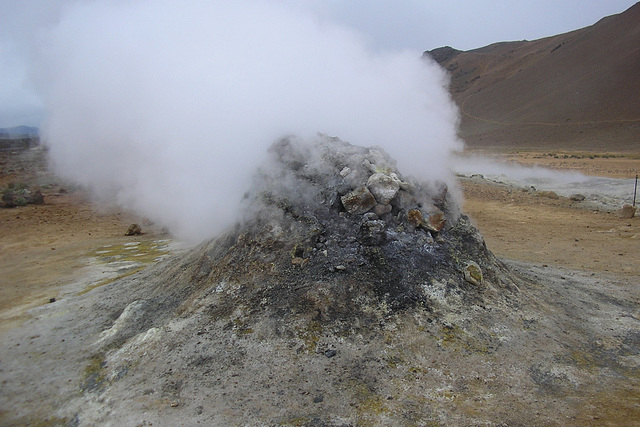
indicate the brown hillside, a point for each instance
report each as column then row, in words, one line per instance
column 579, row 90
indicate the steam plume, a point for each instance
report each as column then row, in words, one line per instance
column 168, row 107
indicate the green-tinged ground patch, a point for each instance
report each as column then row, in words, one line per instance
column 94, row 374
column 127, row 259
column 144, row 252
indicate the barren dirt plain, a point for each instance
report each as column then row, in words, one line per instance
column 524, row 226
column 43, row 248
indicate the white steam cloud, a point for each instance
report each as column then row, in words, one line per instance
column 169, row 106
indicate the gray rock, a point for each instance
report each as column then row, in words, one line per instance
column 548, row 195
column 405, row 201
column 36, row 198
column 381, row 209
column 433, row 221
column 577, row 197
column 383, row 187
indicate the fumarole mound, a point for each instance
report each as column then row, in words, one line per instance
column 347, row 294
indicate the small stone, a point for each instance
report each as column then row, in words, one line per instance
column 548, row 195
column 380, row 209
column 577, row 197
column 383, row 187
column 473, row 273
column 133, row 230
column 345, row 172
column 370, row 216
column 36, row 198
column 330, row 353
column 627, row 212
column 404, row 200
column 340, row 267
column 414, row 216
column 403, row 185
column 52, row 300
column 436, row 220
column 358, row 201
column 318, row 399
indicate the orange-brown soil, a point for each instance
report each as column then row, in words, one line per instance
column 522, row 225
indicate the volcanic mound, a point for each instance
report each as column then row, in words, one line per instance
column 331, row 235
column 335, row 250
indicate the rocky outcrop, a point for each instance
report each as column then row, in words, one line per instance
column 330, row 230
column 442, row 54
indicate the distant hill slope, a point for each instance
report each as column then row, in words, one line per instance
column 578, row 90
column 19, row 132
column 19, row 138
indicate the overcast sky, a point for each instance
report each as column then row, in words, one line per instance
column 386, row 24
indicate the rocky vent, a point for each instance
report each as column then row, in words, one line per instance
column 344, row 217
column 334, row 234
column 348, row 294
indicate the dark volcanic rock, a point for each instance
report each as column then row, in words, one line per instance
column 442, row 54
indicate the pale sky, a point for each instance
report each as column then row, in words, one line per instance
column 386, row 25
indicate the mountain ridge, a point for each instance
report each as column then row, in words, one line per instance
column 577, row 90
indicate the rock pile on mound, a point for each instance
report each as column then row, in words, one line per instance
column 348, row 294
column 344, row 216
